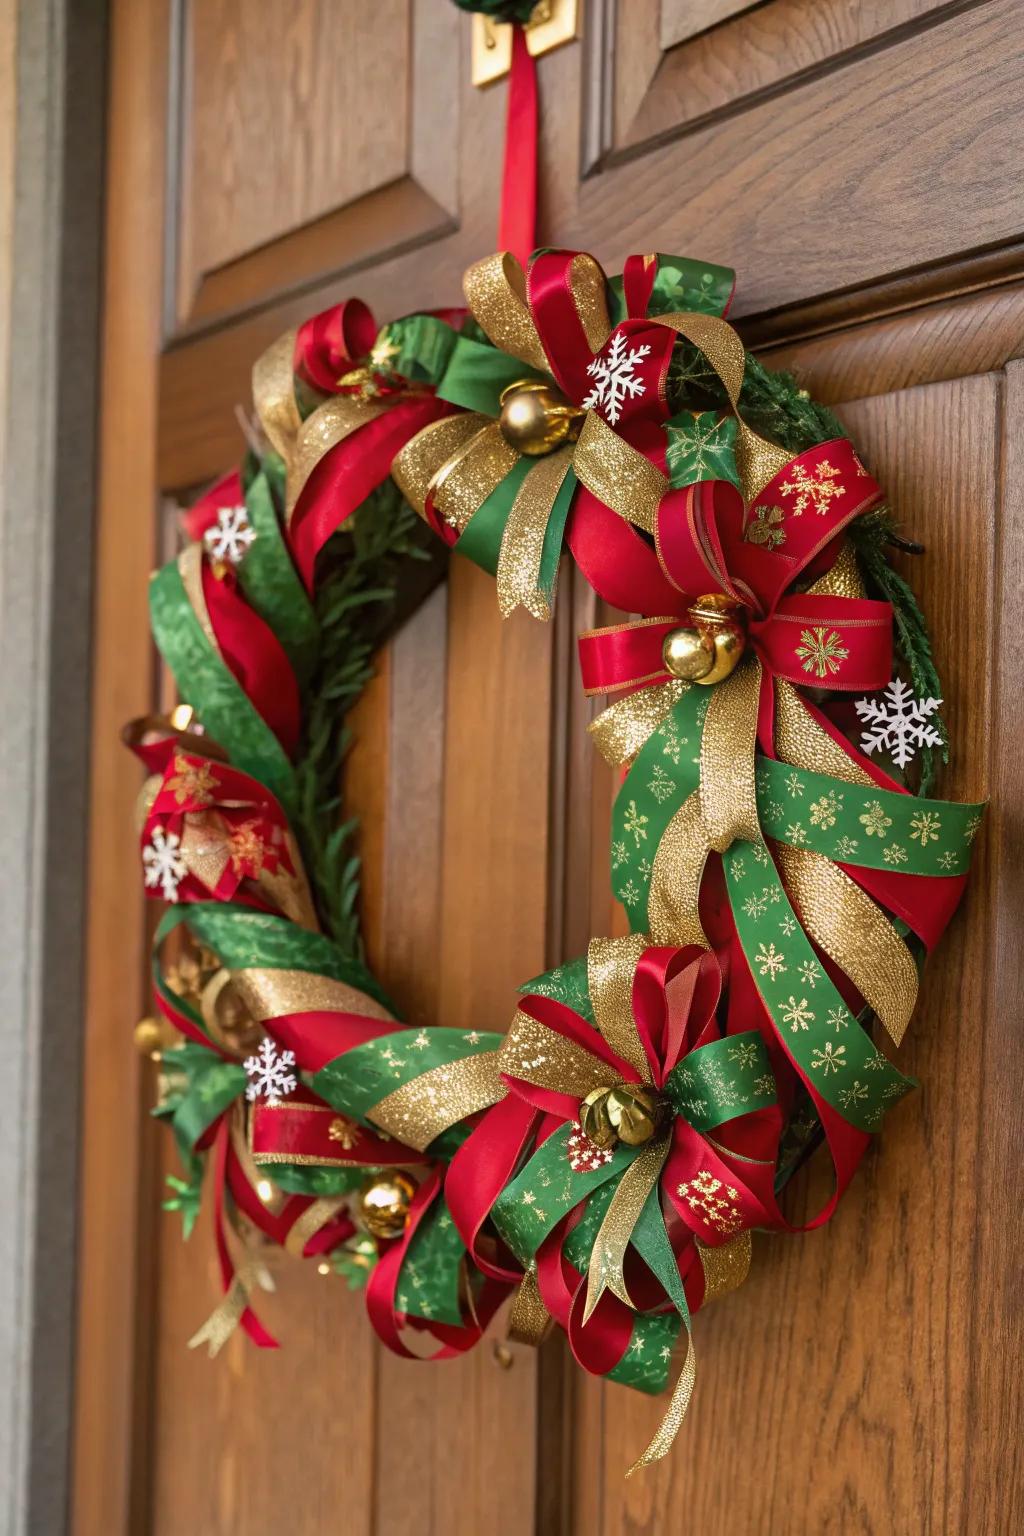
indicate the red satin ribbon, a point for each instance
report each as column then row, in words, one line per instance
column 255, row 657
column 517, row 222
column 332, row 343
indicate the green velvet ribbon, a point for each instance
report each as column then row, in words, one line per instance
column 205, row 683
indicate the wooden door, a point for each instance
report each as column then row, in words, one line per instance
column 857, row 163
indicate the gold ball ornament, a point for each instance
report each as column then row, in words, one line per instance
column 536, row 418
column 384, row 1203
column 710, row 650
column 630, row 1113
column 152, row 1037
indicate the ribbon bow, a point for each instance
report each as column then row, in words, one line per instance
column 504, row 480
column 655, row 1213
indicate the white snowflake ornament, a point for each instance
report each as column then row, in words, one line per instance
column 616, row 380
column 162, row 863
column 898, row 723
column 269, row 1077
column 230, row 537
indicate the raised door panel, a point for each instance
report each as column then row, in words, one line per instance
column 309, row 140
column 892, row 160
column 676, row 63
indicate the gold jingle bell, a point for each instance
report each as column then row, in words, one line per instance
column 629, row 1112
column 709, row 651
column 384, row 1203
column 536, row 417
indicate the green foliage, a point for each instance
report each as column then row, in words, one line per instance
column 500, row 10
column 187, row 1196
column 360, row 578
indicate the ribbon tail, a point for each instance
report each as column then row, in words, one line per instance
column 623, row 1213
column 532, row 539
column 665, row 1434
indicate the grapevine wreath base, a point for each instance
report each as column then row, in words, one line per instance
column 605, row 1161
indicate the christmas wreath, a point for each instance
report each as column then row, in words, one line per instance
column 772, row 691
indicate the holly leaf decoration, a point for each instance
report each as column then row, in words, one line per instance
column 701, row 446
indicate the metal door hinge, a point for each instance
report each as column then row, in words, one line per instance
column 552, row 23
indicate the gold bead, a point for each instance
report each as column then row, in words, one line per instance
column 630, row 1113
column 151, row 1037
column 536, row 417
column 384, row 1203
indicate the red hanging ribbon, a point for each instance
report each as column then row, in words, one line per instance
column 517, row 224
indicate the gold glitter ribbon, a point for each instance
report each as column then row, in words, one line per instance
column 843, row 920
column 624, row 727
column 428, row 1104
column 416, row 466
column 666, row 1432
column 227, row 1315
column 528, row 1319
column 611, row 968
column 273, row 394
column 313, row 1218
column 522, row 542
column 618, row 474
column 536, row 1054
column 270, row 993
column 725, row 1267
column 728, row 796
column 672, row 903
column 495, row 290
column 609, row 1251
column 323, row 430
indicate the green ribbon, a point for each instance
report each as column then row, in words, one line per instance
column 824, row 1038
column 862, row 824
column 477, row 373
column 357, row 1080
column 666, row 770
column 429, row 1280
column 720, row 1080
column 271, row 583
column 206, row 683
column 548, row 1188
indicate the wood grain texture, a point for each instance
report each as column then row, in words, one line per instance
column 310, row 98
column 851, row 1377
column 682, row 19
column 797, row 194
column 665, row 88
